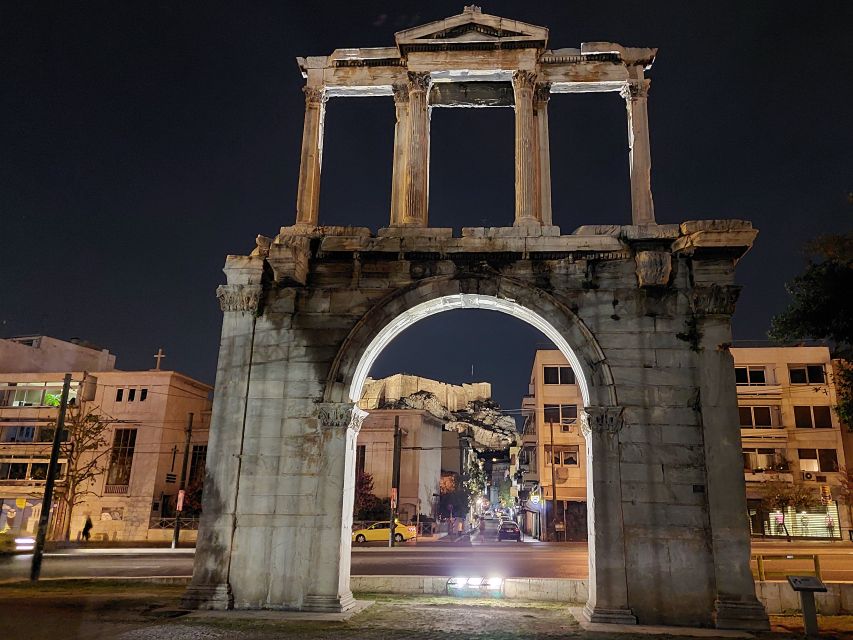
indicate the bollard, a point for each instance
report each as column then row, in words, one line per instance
column 807, row 586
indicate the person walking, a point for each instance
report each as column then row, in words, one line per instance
column 87, row 529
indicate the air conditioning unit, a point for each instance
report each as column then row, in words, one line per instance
column 808, row 476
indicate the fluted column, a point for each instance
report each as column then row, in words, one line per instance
column 640, row 161
column 523, row 83
column 308, row 194
column 543, row 152
column 416, row 178
column 401, row 151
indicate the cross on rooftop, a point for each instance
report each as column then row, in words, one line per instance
column 158, row 357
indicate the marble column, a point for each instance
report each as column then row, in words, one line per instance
column 523, row 83
column 640, row 162
column 416, row 178
column 401, row 151
column 329, row 590
column 543, row 156
column 608, row 581
column 308, row 192
column 736, row 606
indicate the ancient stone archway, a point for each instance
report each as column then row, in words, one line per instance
column 644, row 308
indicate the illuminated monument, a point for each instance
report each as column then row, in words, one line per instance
column 642, row 312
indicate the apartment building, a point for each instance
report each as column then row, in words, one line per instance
column 551, row 459
column 134, row 492
column 791, row 433
column 789, row 429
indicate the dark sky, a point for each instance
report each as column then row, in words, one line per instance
column 142, row 142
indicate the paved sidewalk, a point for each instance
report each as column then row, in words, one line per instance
column 146, row 612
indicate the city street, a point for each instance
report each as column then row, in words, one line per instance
column 507, row 559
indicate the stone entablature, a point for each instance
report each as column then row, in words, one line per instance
column 475, row 59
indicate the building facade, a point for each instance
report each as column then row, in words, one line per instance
column 133, row 493
column 789, row 430
column 552, row 452
column 791, row 434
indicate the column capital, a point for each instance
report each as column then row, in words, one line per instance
column 239, row 297
column 542, row 92
column 602, row 420
column 714, row 299
column 314, row 95
column 419, row 81
column 400, row 92
column 636, row 89
column 523, row 80
column 340, row 414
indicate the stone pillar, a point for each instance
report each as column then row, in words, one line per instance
column 608, row 581
column 736, row 606
column 401, row 150
column 636, row 100
column 329, row 590
column 210, row 587
column 523, row 83
column 543, row 156
column 308, row 193
column 416, row 178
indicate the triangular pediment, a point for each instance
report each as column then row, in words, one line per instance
column 472, row 29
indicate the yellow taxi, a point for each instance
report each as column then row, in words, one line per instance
column 378, row 532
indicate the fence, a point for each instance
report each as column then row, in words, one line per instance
column 169, row 523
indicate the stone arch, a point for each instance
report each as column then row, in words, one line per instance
column 395, row 313
column 600, row 421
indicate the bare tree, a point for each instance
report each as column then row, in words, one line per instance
column 84, row 448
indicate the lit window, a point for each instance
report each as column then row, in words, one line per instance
column 824, row 460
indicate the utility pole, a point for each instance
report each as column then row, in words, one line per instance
column 179, row 507
column 553, row 480
column 44, row 517
column 395, row 480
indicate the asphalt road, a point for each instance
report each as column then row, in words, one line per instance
column 507, row 559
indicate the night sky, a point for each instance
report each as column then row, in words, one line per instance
column 142, row 142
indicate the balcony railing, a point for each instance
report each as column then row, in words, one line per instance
column 156, row 522
column 115, row 489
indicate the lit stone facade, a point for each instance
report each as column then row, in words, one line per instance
column 641, row 312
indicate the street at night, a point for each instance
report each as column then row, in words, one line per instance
column 508, row 560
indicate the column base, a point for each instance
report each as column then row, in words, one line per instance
column 208, row 597
column 749, row 616
column 329, row 604
column 608, row 616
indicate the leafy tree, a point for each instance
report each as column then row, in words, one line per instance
column 83, row 447
column 453, row 499
column 365, row 501
column 475, row 482
column 822, row 308
column 778, row 496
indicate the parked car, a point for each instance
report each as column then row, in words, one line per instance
column 489, row 515
column 15, row 543
column 508, row 530
column 378, row 531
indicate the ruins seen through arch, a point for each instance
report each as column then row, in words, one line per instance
column 641, row 310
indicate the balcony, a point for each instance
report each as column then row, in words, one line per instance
column 767, row 476
column 115, row 489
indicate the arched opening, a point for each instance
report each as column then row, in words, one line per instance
column 536, row 308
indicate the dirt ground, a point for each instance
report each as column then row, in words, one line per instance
column 132, row 611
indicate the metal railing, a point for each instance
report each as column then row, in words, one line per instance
column 114, row 489
column 157, row 522
column 761, row 565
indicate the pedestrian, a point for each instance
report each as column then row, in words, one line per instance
column 459, row 527
column 87, row 528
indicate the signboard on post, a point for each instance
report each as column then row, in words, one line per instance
column 180, row 505
column 394, row 497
